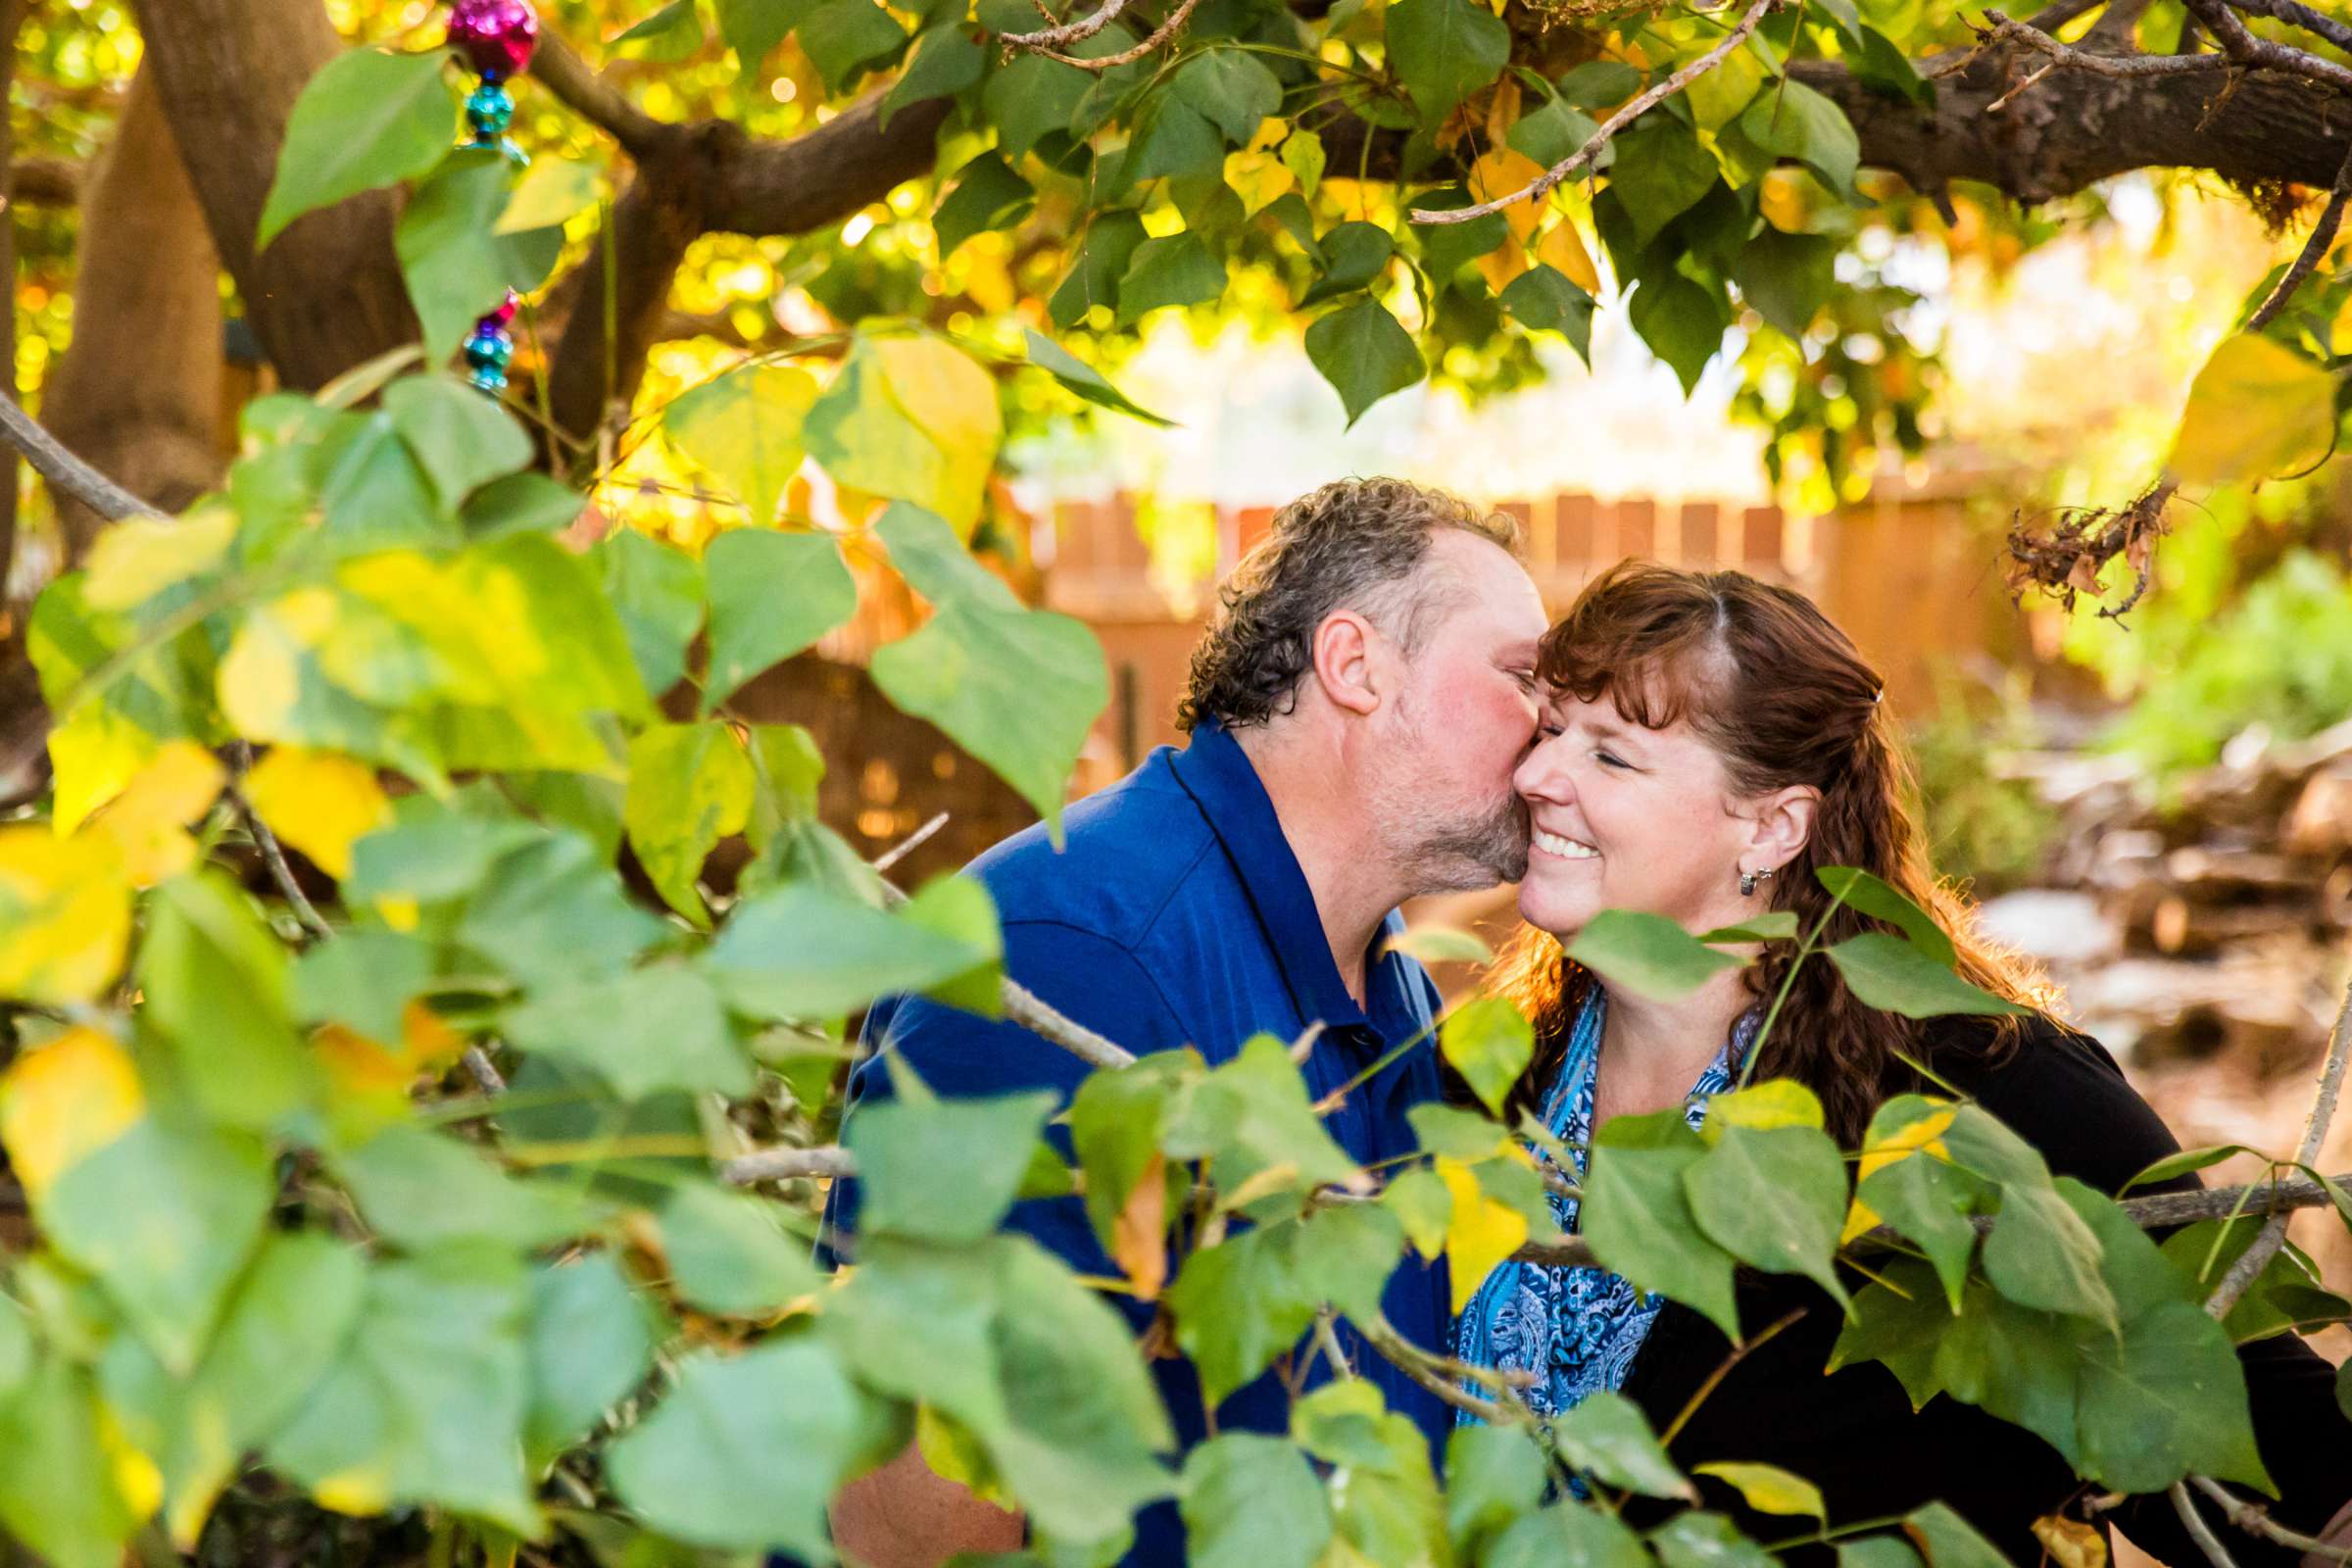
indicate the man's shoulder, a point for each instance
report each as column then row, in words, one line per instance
column 1126, row 852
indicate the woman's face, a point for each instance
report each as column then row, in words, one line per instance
column 1625, row 817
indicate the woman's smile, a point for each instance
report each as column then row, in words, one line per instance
column 1563, row 847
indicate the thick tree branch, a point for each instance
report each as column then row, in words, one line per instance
column 2240, row 44
column 584, row 90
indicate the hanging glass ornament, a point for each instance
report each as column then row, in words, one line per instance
column 497, row 38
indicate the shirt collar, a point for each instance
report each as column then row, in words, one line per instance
column 1216, row 771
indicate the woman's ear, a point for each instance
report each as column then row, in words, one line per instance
column 1346, row 654
column 1784, row 824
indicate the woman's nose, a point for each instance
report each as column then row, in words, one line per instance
column 1540, row 775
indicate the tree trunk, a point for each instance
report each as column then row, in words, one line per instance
column 327, row 294
column 137, row 393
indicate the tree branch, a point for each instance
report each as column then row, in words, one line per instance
column 65, row 473
column 2322, row 235
column 1593, row 148
column 1069, row 32
column 1127, row 56
column 2257, row 1521
column 2005, row 31
column 2198, row 1530
column 2242, row 46
column 780, row 1164
column 584, row 90
column 2272, row 1234
column 2300, row 15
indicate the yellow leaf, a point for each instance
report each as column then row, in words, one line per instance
column 1258, row 178
column 136, row 1477
column 1270, row 132
column 1768, row 1488
column 359, row 1491
column 63, row 1102
column 1139, row 1233
column 1563, row 248
column 93, row 754
column 1775, row 1103
column 1924, row 1136
column 138, row 558
column 147, row 818
column 954, row 400
column 64, row 913
column 1481, row 1234
column 1718, row 95
column 2257, row 410
column 952, row 1454
column 319, row 801
column 1502, row 264
column 1501, row 172
column 2071, row 1542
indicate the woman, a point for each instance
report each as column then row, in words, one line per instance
column 1708, row 741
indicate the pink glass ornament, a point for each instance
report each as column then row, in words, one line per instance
column 497, row 35
column 502, row 314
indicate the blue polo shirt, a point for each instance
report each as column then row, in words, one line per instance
column 1178, row 916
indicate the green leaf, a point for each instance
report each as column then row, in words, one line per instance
column 1030, row 96
column 689, row 786
column 1552, row 133
column 935, row 563
column 1888, row 972
column 1773, row 925
column 2041, row 1254
column 913, row 417
column 744, row 426
column 1660, row 171
column 58, row 1489
column 1232, row 88
column 1791, row 120
column 1638, row 1220
column 729, row 1255
column 801, row 952
column 1354, row 254
column 456, row 262
column 702, row 1466
column 460, row 438
column 1928, row 1201
column 2017, row 1363
column 657, row 591
column 1600, row 83
column 1681, row 323
column 1494, row 1475
column 1304, row 156
column 1445, row 50
column 215, row 981
column 1243, row 1302
column 1697, row 1540
column 752, row 29
column 947, row 60
column 1607, row 1435
column 1363, row 353
column 1882, row 65
column 1787, row 278
column 1768, row 1488
column 1774, row 1197
column 421, row 1189
column 1020, row 689
column 1252, row 1115
column 2187, row 1161
column 1881, row 900
column 521, row 502
column 667, row 37
column 1489, row 1040
column 943, row 1171
column 1647, row 953
column 1568, row 1533
column 281, row 1328
column 1950, row 1540
column 791, row 771
column 1456, row 1134
column 643, row 1031
column 1115, row 1118
column 1171, row 138
column 1176, row 269
column 1420, row 1201
column 772, row 595
column 589, row 1342
column 845, row 38
column 1543, row 299
column 1109, row 245
column 552, row 192
column 425, row 1402
column 1252, row 1501
column 2343, row 1389
column 1082, row 379
column 367, row 119
column 165, row 1217
column 988, row 195
column 1877, row 1551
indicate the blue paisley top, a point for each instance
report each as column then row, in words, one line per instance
column 1577, row 1329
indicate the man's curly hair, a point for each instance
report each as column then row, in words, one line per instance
column 1354, row 544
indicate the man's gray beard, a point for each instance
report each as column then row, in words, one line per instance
column 1478, row 855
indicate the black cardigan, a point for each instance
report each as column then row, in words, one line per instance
column 1854, row 1433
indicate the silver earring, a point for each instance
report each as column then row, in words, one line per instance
column 1748, row 881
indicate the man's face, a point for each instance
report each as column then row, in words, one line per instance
column 1464, row 718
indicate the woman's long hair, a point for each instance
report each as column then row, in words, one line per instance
column 1782, row 696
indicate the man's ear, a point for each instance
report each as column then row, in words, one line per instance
column 1784, row 824
column 1347, row 663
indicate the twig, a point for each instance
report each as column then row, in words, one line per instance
column 2007, row 31
column 2273, row 1235
column 1599, row 139
column 2051, row 17
column 2257, row 1521
column 54, row 462
column 780, row 1164
column 581, row 88
column 1723, row 1370
column 486, row 1076
column 1069, row 32
column 908, row 845
column 273, row 853
column 1413, row 1362
column 2322, row 235
column 2199, row 1531
column 2242, row 46
column 2301, row 15
column 1126, row 57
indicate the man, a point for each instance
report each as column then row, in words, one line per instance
column 1355, row 712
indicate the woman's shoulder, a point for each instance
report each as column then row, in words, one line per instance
column 2056, row 1087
